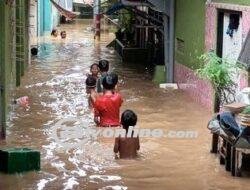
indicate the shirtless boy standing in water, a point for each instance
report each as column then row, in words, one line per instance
column 127, row 147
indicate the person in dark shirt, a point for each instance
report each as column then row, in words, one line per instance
column 104, row 68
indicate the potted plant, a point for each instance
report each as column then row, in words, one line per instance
column 219, row 72
column 245, row 116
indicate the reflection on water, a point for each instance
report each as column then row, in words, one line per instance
column 55, row 84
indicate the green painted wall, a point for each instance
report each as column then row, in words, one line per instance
column 190, row 27
column 240, row 2
column 7, row 57
column 13, row 51
column 22, row 19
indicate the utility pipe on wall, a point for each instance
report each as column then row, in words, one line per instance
column 169, row 40
column 97, row 19
column 170, row 77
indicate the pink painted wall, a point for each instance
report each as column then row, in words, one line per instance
column 211, row 21
column 210, row 32
column 246, row 22
column 243, row 80
column 200, row 90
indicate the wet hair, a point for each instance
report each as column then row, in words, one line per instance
column 63, row 32
column 94, row 64
column 104, row 65
column 34, row 51
column 108, row 82
column 128, row 118
column 90, row 82
column 114, row 78
column 53, row 32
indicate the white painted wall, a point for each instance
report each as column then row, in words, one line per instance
column 231, row 46
column 55, row 18
column 33, row 29
column 67, row 4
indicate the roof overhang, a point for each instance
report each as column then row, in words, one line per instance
column 161, row 6
column 134, row 3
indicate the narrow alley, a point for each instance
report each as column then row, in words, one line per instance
column 55, row 84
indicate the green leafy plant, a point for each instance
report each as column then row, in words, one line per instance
column 220, row 73
column 246, row 110
column 217, row 70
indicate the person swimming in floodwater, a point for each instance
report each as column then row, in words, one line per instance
column 63, row 34
column 34, row 51
column 94, row 70
column 54, row 33
column 91, row 90
column 127, row 147
column 104, row 68
column 107, row 106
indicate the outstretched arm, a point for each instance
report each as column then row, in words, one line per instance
column 96, row 114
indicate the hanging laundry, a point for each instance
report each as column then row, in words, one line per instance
column 234, row 22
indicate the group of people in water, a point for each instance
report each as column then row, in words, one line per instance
column 105, row 101
column 54, row 33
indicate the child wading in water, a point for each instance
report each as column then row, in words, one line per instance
column 63, row 34
column 127, row 147
column 107, row 106
column 54, row 33
column 104, row 68
column 94, row 70
column 90, row 89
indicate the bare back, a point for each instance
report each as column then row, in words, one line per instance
column 127, row 147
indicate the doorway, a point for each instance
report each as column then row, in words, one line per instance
column 229, row 34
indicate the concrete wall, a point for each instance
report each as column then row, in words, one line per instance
column 196, row 26
column 190, row 28
column 55, row 17
column 238, row 2
column 33, row 29
column 22, row 38
column 67, row 4
column 211, row 29
column 190, row 43
column 48, row 17
column 7, row 58
column 14, row 42
column 211, row 22
column 40, row 18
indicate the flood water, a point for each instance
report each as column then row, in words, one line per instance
column 55, row 84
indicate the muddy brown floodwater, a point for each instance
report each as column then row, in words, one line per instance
column 55, row 83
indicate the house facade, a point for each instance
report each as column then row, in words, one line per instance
column 186, row 29
column 21, row 22
column 201, row 26
column 48, row 17
column 45, row 17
